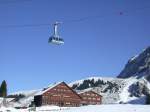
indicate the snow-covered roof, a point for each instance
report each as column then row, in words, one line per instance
column 49, row 87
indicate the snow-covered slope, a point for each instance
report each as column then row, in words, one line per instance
column 114, row 90
column 26, row 92
column 25, row 101
column 90, row 108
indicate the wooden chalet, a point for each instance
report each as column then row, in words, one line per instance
column 59, row 94
column 90, row 97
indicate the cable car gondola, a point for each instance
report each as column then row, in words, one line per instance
column 55, row 38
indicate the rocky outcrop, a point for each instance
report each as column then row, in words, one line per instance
column 138, row 66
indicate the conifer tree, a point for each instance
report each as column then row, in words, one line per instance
column 148, row 100
column 3, row 89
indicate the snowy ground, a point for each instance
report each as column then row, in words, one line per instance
column 91, row 108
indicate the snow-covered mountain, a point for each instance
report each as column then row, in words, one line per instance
column 115, row 90
column 25, row 101
column 131, row 86
column 138, row 66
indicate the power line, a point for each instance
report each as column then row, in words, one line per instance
column 13, row 1
column 125, row 12
column 24, row 25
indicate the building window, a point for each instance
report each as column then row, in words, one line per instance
column 66, row 96
column 84, row 98
column 68, row 90
column 89, row 98
column 55, row 95
column 98, row 98
column 67, row 103
column 93, row 94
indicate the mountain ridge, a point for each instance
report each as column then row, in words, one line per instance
column 138, row 66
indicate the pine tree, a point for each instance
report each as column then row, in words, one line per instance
column 148, row 100
column 3, row 89
column 0, row 92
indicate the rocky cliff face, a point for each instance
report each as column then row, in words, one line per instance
column 138, row 66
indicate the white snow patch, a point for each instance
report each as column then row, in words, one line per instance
column 124, row 95
column 134, row 57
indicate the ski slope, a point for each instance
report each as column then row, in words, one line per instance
column 120, row 95
column 90, row 108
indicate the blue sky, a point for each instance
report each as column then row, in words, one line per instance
column 97, row 46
